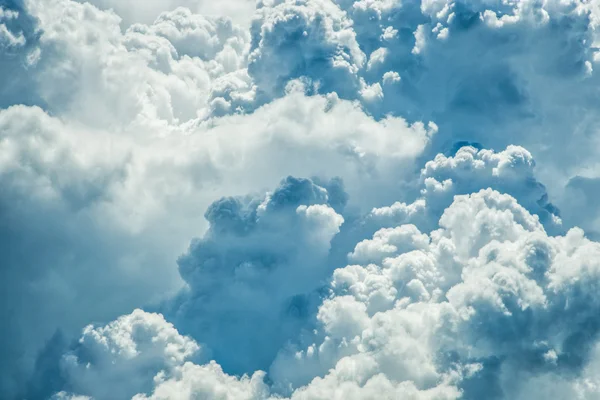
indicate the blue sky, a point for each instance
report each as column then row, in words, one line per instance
column 299, row 199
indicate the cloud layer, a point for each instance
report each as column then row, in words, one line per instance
column 358, row 176
column 491, row 307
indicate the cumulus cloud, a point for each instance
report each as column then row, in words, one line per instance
column 435, row 265
column 108, row 203
column 17, row 49
column 143, row 352
column 510, row 171
column 105, row 176
column 475, row 308
column 309, row 38
column 252, row 275
column 119, row 359
column 480, row 304
column 497, row 73
column 146, row 75
column 488, row 304
column 468, row 170
column 125, row 355
column 132, row 11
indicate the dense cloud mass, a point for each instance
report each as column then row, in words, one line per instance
column 299, row 199
column 489, row 307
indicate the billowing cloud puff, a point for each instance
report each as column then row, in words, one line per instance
column 143, row 352
column 252, row 275
column 68, row 396
column 494, row 72
column 148, row 73
column 137, row 352
column 125, row 355
column 17, row 51
column 310, row 38
column 207, row 381
column 476, row 308
column 444, row 314
column 510, row 171
column 250, row 254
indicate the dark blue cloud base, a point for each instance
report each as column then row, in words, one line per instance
column 299, row 199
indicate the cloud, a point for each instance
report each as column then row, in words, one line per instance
column 108, row 203
column 7, row 37
column 490, row 72
column 486, row 304
column 143, row 352
column 312, row 39
column 509, row 171
column 17, row 46
column 496, row 73
column 468, row 170
column 108, row 189
column 147, row 75
column 121, row 358
column 125, row 355
column 423, row 257
column 208, row 381
column 252, row 276
column 67, row 396
column 478, row 304
column 133, row 12
column 247, row 248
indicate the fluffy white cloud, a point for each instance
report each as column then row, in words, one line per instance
column 252, row 276
column 488, row 285
column 498, row 73
column 117, row 214
column 106, row 181
column 485, row 305
column 121, row 358
column 207, row 381
column 120, row 123
column 68, row 396
column 141, row 352
column 310, row 38
column 131, row 11
column 145, row 76
column 509, row 171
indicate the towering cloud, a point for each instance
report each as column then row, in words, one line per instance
column 252, row 276
column 308, row 38
column 488, row 304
